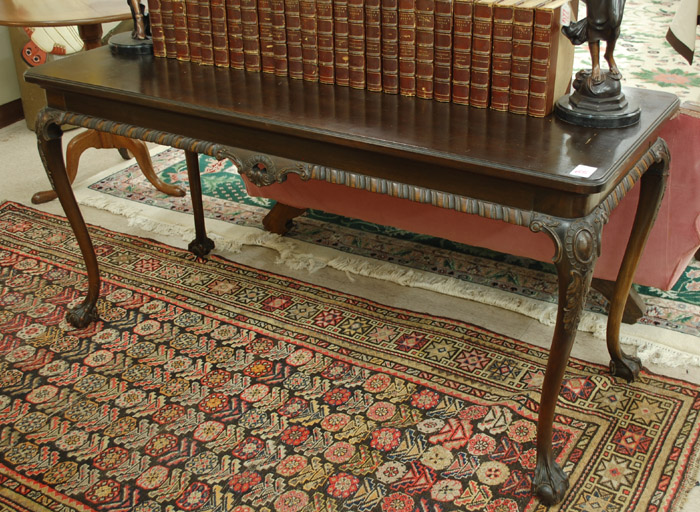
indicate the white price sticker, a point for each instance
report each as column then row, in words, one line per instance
column 566, row 13
column 584, row 171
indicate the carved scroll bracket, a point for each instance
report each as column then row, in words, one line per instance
column 262, row 171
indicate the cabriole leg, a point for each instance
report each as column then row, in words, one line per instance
column 202, row 244
column 577, row 248
column 49, row 135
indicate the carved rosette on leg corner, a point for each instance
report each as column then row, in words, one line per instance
column 577, row 247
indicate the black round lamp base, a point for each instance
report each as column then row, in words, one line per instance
column 627, row 116
column 124, row 44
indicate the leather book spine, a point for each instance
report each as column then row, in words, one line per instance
column 251, row 36
column 356, row 43
column 157, row 33
column 407, row 47
column 295, row 60
column 462, row 51
column 425, row 48
column 390, row 46
column 482, row 36
column 523, row 18
column 267, row 49
column 167, row 14
column 340, row 39
column 442, row 79
column 543, row 50
column 206, row 41
column 279, row 37
column 235, row 34
column 501, row 55
column 373, row 45
column 309, row 48
column 182, row 48
column 192, row 11
column 324, row 41
column 219, row 34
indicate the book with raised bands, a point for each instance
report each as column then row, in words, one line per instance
column 279, row 37
column 356, row 43
column 267, row 47
column 192, row 12
column 324, row 41
column 182, row 47
column 157, row 34
column 219, row 33
column 235, row 34
column 206, row 41
column 442, row 74
column 523, row 19
column 462, row 51
column 425, row 48
column 501, row 53
column 251, row 36
column 482, row 36
column 390, row 46
column 340, row 41
column 167, row 15
column 552, row 63
column 295, row 58
column 407, row 47
column 373, row 45
column 309, row 45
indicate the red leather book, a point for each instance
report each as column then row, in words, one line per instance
column 166, row 12
column 482, row 36
column 501, row 53
column 552, row 63
column 251, row 36
column 373, row 45
column 182, row 48
column 219, row 33
column 390, row 46
column 206, row 40
column 442, row 78
column 356, row 43
column 407, row 47
column 340, row 39
column 157, row 33
column 425, row 48
column 192, row 12
column 295, row 58
column 523, row 19
column 309, row 48
column 279, row 37
column 267, row 48
column 462, row 51
column 324, row 41
column 235, row 34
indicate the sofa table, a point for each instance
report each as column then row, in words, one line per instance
column 537, row 173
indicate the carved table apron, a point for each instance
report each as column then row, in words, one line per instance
column 576, row 237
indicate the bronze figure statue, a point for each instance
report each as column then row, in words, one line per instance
column 140, row 28
column 602, row 23
column 138, row 41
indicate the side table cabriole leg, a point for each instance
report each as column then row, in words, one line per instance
column 577, row 246
column 653, row 186
column 49, row 135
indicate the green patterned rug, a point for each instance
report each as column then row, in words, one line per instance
column 319, row 239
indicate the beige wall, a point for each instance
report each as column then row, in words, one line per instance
column 9, row 88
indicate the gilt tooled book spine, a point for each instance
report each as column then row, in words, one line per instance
column 219, row 33
column 206, row 40
column 407, row 47
column 192, row 12
column 267, row 47
column 390, row 46
column 167, row 15
column 501, row 53
column 182, row 48
column 462, row 51
column 340, row 39
column 324, row 41
column 251, row 35
column 235, row 34
column 523, row 19
column 373, row 45
column 295, row 57
column 442, row 79
column 425, row 48
column 309, row 39
column 157, row 33
column 279, row 38
column 482, row 36
column 356, row 43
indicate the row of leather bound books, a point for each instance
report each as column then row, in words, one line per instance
column 508, row 55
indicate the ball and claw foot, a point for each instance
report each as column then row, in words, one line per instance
column 550, row 483
column 201, row 248
column 628, row 367
column 82, row 315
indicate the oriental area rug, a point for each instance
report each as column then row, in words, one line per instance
column 234, row 218
column 208, row 385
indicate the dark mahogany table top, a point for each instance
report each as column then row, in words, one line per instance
column 510, row 159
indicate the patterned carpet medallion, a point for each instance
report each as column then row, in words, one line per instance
column 208, row 386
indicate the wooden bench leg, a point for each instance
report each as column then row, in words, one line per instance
column 635, row 307
column 202, row 244
column 279, row 219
